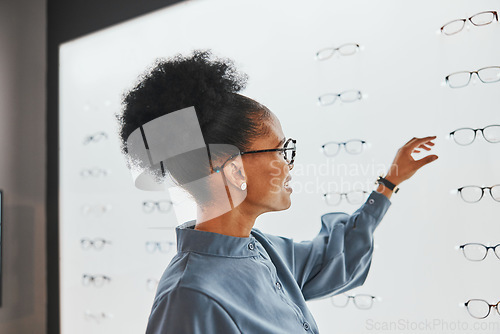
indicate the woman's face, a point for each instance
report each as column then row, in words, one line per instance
column 266, row 172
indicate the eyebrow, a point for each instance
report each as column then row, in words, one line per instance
column 281, row 142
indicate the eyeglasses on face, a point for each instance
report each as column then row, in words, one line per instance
column 473, row 194
column 346, row 96
column 353, row 146
column 489, row 74
column 361, row 301
column 347, row 49
column 465, row 136
column 479, row 19
column 479, row 308
column 288, row 151
column 477, row 251
column 352, row 197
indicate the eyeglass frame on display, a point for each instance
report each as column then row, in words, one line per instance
column 345, row 195
column 91, row 138
column 339, row 144
column 447, row 78
column 479, row 244
column 357, row 48
column 495, row 16
column 93, row 241
column 157, row 246
column 339, row 95
column 459, row 190
column 92, row 279
column 372, row 298
column 156, row 204
column 452, row 134
column 466, row 304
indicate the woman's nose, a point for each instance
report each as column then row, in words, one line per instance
column 290, row 166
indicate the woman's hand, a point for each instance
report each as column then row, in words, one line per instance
column 404, row 166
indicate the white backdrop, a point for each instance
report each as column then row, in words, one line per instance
column 400, row 70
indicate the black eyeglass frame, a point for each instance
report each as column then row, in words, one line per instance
column 475, row 131
column 482, row 192
column 283, row 149
column 484, row 246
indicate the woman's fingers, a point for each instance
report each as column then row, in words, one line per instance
column 420, row 142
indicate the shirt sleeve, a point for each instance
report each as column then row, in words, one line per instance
column 339, row 257
column 184, row 310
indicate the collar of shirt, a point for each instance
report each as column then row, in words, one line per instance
column 191, row 240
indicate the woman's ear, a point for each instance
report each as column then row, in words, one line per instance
column 235, row 173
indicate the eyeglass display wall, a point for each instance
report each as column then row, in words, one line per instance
column 352, row 81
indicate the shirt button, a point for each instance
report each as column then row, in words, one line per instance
column 306, row 325
column 371, row 201
column 278, row 285
column 251, row 246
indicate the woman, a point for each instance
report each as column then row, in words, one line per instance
column 227, row 276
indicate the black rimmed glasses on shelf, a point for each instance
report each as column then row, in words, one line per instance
column 96, row 280
column 353, row 146
column 163, row 206
column 489, row 74
column 465, row 136
column 345, row 96
column 474, row 251
column 479, row 19
column 361, row 301
column 346, row 49
column 479, row 308
column 352, row 197
column 473, row 194
column 288, row 151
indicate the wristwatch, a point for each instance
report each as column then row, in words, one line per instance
column 387, row 183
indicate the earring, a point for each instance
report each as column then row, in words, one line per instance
column 243, row 186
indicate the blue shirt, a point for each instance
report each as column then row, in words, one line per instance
column 220, row 284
